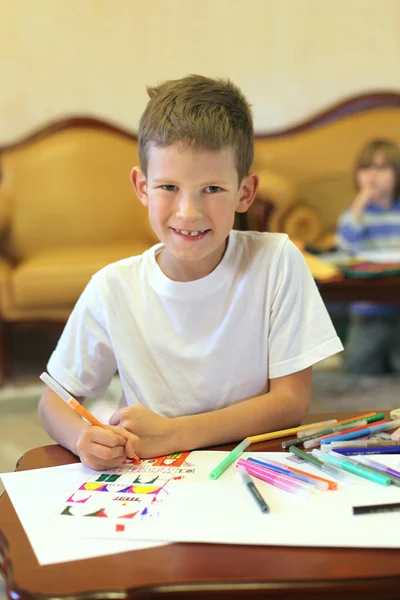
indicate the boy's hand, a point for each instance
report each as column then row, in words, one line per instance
column 363, row 198
column 156, row 434
column 105, row 448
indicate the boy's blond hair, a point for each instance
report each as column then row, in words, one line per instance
column 198, row 112
column 391, row 152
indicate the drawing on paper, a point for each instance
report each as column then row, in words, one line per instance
column 134, row 489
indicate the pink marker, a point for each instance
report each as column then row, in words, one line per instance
column 280, row 481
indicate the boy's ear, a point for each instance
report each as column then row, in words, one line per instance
column 140, row 185
column 247, row 192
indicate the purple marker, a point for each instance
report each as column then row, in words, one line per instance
column 378, row 466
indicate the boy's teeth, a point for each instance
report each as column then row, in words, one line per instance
column 190, row 233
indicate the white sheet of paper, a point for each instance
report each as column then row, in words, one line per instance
column 222, row 511
column 39, row 493
column 197, row 509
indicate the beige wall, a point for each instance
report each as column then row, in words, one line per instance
column 291, row 57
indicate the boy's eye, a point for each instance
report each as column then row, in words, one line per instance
column 169, row 187
column 213, row 189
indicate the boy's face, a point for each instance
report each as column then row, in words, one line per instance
column 192, row 196
column 379, row 177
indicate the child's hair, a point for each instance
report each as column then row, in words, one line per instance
column 199, row 112
column 391, row 152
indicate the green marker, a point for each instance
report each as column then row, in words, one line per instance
column 307, row 457
column 328, row 469
column 359, row 470
column 232, row 456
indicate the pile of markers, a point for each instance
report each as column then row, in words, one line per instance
column 337, row 449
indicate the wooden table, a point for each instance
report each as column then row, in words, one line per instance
column 194, row 570
column 382, row 290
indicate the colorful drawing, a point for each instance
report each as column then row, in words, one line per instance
column 134, row 489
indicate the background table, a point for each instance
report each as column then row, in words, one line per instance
column 384, row 290
column 195, row 570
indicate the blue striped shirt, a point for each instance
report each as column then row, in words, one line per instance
column 374, row 228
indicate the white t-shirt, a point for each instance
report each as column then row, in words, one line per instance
column 190, row 347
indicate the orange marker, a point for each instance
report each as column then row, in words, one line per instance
column 359, row 418
column 73, row 403
column 332, row 485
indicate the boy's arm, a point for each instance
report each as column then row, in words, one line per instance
column 350, row 230
column 351, row 224
column 285, row 405
column 61, row 422
column 97, row 447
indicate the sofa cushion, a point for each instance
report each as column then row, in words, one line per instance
column 58, row 277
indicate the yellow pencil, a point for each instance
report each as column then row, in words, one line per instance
column 274, row 435
column 73, row 403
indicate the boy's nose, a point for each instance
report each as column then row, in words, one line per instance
column 188, row 208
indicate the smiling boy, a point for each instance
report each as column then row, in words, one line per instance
column 213, row 332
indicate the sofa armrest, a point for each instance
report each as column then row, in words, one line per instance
column 302, row 223
column 274, row 198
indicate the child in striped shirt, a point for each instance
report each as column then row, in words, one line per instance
column 373, row 222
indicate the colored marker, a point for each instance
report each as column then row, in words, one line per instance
column 251, row 486
column 393, row 475
column 331, row 431
column 319, row 464
column 301, row 484
column 316, row 442
column 349, row 427
column 279, row 468
column 378, row 465
column 228, row 460
column 368, row 443
column 369, row 509
column 346, row 465
column 273, row 435
column 373, row 450
column 367, row 431
column 332, row 485
column 340, row 426
column 73, row 403
column 279, row 481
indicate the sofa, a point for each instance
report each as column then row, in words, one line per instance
column 314, row 161
column 67, row 209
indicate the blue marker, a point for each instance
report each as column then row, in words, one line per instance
column 371, row 450
column 362, row 432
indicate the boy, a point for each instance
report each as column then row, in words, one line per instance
column 213, row 331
